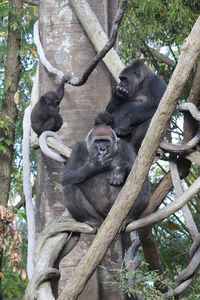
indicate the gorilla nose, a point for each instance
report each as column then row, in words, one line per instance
column 102, row 149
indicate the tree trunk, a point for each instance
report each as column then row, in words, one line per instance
column 12, row 74
column 68, row 48
column 9, row 109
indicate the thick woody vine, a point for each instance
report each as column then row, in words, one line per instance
column 63, row 234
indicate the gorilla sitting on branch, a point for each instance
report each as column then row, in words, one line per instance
column 133, row 102
column 94, row 175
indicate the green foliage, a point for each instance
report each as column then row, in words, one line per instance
column 13, row 285
column 143, row 281
column 28, row 56
column 5, row 121
column 158, row 23
column 161, row 24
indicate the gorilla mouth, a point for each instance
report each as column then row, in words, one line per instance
column 122, row 90
column 102, row 151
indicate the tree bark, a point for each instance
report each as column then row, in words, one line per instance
column 68, row 48
column 12, row 75
column 130, row 191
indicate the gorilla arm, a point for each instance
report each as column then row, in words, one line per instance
column 60, row 89
column 131, row 114
column 80, row 166
column 79, row 169
column 122, row 164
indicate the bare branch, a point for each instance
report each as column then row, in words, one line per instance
column 180, row 148
column 42, row 56
column 56, row 142
column 57, row 237
column 30, row 212
column 166, row 211
column 20, row 203
column 133, row 185
column 179, row 191
column 32, row 2
column 96, row 35
column 161, row 57
column 107, row 47
column 83, row 8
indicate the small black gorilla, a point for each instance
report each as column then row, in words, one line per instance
column 133, row 102
column 94, row 175
column 45, row 114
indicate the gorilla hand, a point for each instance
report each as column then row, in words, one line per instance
column 98, row 162
column 121, row 90
column 117, row 176
column 123, row 126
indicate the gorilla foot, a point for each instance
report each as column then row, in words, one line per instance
column 121, row 132
column 117, row 176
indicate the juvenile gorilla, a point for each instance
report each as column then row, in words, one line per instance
column 45, row 114
column 94, row 175
column 133, row 102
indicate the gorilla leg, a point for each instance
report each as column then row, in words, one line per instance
column 81, row 210
column 52, row 124
column 59, row 122
column 138, row 134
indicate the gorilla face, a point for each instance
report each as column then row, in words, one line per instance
column 130, row 79
column 101, row 140
column 102, row 145
column 51, row 98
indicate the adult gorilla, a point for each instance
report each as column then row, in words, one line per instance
column 133, row 102
column 94, row 175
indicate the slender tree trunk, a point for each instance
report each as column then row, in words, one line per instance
column 9, row 109
column 68, row 48
column 12, row 74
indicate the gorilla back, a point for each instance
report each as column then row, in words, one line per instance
column 94, row 175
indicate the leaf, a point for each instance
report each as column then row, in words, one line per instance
column 33, row 51
column 3, row 34
column 23, row 274
column 2, row 149
column 8, row 142
column 16, row 98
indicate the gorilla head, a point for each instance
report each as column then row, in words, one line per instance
column 131, row 79
column 101, row 140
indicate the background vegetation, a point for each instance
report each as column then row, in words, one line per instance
column 154, row 24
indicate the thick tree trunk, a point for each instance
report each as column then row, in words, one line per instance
column 12, row 74
column 67, row 47
column 132, row 187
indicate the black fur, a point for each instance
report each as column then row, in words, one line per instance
column 133, row 102
column 45, row 114
column 92, row 180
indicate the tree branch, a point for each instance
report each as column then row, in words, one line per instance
column 161, row 57
column 27, row 188
column 32, row 2
column 42, row 56
column 133, row 185
column 109, row 44
column 166, row 211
